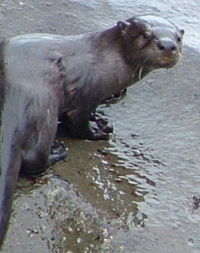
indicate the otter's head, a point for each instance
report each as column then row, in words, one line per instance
column 150, row 42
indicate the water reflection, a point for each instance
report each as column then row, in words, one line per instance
column 110, row 176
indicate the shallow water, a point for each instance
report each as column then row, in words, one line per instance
column 142, row 181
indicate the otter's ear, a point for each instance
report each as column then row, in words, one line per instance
column 123, row 26
column 182, row 32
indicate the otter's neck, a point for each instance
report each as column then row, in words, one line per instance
column 108, row 38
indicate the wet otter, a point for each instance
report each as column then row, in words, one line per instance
column 46, row 76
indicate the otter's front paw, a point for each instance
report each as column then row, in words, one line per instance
column 99, row 135
column 101, row 123
column 98, row 130
column 58, row 152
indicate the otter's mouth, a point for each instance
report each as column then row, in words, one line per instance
column 168, row 61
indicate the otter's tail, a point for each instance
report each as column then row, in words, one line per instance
column 10, row 157
column 8, row 179
column 10, row 162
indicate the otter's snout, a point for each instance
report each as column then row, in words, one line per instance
column 166, row 45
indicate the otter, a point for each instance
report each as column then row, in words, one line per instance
column 45, row 77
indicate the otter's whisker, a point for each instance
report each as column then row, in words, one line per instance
column 140, row 72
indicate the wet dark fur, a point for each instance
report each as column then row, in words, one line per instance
column 47, row 76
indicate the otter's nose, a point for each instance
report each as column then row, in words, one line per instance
column 167, row 45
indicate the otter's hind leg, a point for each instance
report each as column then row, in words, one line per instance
column 39, row 147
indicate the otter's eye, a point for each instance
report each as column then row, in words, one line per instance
column 146, row 35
